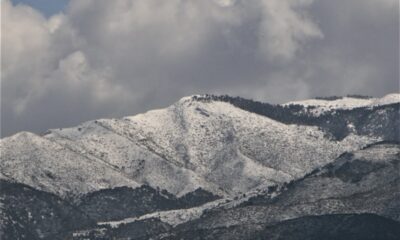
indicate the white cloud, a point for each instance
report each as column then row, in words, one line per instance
column 40, row 57
column 118, row 57
column 284, row 30
column 74, row 71
column 25, row 44
column 132, row 38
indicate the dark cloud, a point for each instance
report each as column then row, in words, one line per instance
column 116, row 58
column 359, row 53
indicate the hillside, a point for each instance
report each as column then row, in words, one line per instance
column 208, row 165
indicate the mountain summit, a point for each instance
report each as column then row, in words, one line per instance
column 203, row 154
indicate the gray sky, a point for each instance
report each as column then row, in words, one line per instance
column 84, row 59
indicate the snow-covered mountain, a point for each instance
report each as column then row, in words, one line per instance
column 201, row 154
column 320, row 106
column 191, row 144
column 365, row 181
column 46, row 165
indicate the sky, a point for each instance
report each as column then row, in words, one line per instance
column 64, row 62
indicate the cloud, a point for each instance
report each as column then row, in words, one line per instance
column 283, row 30
column 24, row 53
column 113, row 58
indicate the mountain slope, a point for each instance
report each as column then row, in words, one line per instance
column 206, row 164
column 211, row 145
column 327, row 227
column 376, row 117
column 26, row 213
column 319, row 106
column 199, row 142
column 46, row 165
column 122, row 202
column 364, row 181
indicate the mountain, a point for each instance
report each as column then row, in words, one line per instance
column 373, row 117
column 207, row 164
column 123, row 202
column 47, row 165
column 366, row 181
column 321, row 105
column 330, row 227
column 327, row 227
column 27, row 213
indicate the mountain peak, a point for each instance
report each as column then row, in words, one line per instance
column 22, row 135
column 193, row 97
column 244, row 151
column 191, row 144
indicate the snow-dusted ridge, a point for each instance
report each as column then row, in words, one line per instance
column 47, row 165
column 192, row 144
column 172, row 217
column 320, row 106
column 323, row 188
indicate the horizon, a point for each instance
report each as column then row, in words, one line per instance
column 355, row 96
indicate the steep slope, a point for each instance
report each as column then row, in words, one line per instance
column 123, row 202
column 27, row 213
column 161, row 174
column 212, row 145
column 196, row 143
column 46, row 165
column 95, row 140
column 381, row 119
column 365, row 181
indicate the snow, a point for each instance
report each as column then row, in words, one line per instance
column 179, row 216
column 321, row 106
column 189, row 145
column 49, row 166
column 227, row 146
column 172, row 217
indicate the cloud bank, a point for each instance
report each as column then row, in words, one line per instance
column 113, row 58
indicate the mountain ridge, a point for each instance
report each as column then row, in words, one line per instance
column 205, row 164
column 178, row 138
